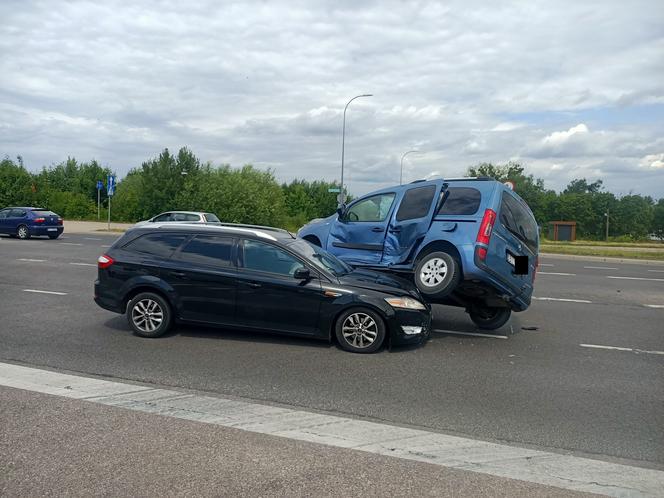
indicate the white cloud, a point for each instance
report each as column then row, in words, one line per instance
column 266, row 83
column 653, row 161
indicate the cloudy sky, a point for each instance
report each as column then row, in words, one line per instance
column 570, row 89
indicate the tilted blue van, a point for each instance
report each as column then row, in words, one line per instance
column 470, row 242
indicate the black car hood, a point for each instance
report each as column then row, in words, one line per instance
column 375, row 280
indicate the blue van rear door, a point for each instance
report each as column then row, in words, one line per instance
column 411, row 221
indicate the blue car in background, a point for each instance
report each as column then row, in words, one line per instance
column 470, row 242
column 26, row 222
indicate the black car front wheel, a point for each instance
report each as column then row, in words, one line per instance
column 149, row 315
column 489, row 318
column 360, row 330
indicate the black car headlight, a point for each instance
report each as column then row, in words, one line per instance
column 405, row 302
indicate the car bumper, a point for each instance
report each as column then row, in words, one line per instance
column 106, row 302
column 41, row 230
column 409, row 326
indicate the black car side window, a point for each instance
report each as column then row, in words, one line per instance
column 264, row 257
column 416, row 203
column 211, row 250
column 156, row 244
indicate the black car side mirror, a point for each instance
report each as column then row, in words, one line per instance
column 302, row 274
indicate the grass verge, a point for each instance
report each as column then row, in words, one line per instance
column 605, row 251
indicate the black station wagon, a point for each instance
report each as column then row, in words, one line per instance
column 255, row 278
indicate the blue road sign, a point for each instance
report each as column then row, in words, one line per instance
column 110, row 186
column 100, row 185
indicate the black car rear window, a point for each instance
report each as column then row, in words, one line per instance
column 516, row 217
column 416, row 203
column 156, row 244
column 461, row 200
column 211, row 250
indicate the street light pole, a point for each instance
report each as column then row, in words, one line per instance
column 401, row 173
column 607, row 223
column 342, row 195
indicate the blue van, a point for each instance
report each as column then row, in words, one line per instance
column 470, row 242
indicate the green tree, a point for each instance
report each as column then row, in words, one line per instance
column 15, row 183
column 658, row 219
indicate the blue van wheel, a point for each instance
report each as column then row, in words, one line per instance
column 488, row 317
column 437, row 274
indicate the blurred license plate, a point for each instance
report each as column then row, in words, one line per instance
column 511, row 260
column 55, row 230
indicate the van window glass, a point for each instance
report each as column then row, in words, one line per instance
column 211, row 250
column 374, row 208
column 156, row 244
column 260, row 256
column 516, row 217
column 416, row 203
column 461, row 200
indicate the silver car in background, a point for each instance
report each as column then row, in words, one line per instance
column 182, row 217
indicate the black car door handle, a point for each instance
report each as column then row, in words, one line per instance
column 178, row 274
column 377, row 229
column 395, row 229
column 253, row 285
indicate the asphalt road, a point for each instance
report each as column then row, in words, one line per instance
column 545, row 380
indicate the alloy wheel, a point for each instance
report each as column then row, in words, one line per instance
column 147, row 315
column 359, row 330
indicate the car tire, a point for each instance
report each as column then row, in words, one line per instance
column 488, row 317
column 437, row 274
column 23, row 232
column 53, row 237
column 360, row 330
column 149, row 315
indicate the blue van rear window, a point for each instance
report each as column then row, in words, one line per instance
column 461, row 200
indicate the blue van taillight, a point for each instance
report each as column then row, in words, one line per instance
column 484, row 233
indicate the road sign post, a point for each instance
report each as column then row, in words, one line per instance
column 100, row 185
column 110, row 190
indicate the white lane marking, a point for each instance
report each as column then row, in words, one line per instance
column 542, row 467
column 105, row 246
column 546, row 264
column 31, row 260
column 564, row 300
column 82, row 264
column 600, row 268
column 554, row 273
column 70, row 244
column 597, row 346
column 656, row 306
column 45, row 292
column 91, row 238
column 475, row 334
column 657, row 271
column 639, row 278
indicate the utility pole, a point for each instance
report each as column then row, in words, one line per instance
column 607, row 223
column 342, row 194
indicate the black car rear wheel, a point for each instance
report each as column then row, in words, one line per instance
column 360, row 330
column 22, row 232
column 149, row 315
column 489, row 318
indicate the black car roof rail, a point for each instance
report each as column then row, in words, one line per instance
column 254, row 227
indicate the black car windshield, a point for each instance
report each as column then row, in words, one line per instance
column 319, row 257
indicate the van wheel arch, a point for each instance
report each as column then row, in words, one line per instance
column 440, row 246
column 313, row 239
